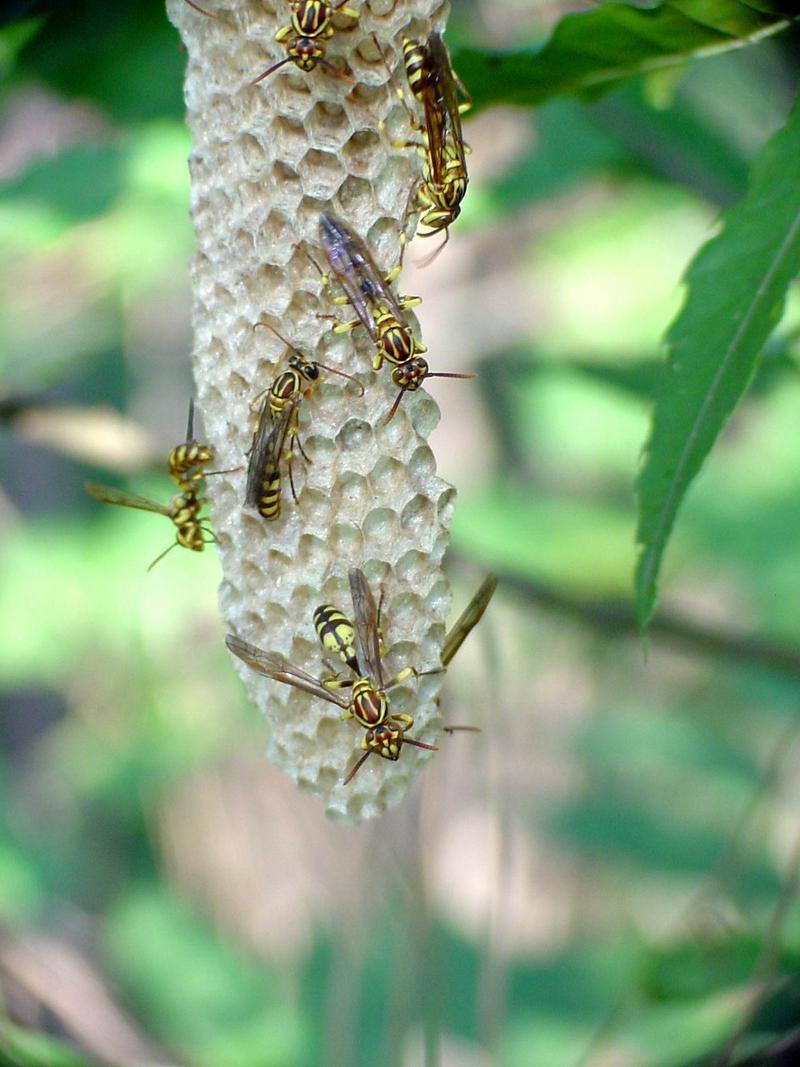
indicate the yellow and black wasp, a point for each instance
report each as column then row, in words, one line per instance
column 184, row 511
column 186, row 462
column 377, row 308
column 436, row 86
column 360, row 647
column 278, row 426
column 305, row 37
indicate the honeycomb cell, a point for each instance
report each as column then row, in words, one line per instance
column 328, row 125
column 361, row 155
column 321, row 172
column 380, row 528
column 288, row 141
column 418, row 514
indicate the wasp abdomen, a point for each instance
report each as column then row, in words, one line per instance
column 337, row 635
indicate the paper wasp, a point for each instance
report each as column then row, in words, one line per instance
column 278, row 426
column 377, row 309
column 367, row 702
column 305, row 36
column 360, row 646
column 186, row 461
column 184, row 511
column 436, row 86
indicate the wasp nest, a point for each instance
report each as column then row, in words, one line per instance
column 266, row 160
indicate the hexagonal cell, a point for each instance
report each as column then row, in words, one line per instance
column 354, row 436
column 288, row 139
column 388, row 479
column 322, row 173
column 328, row 125
column 346, row 540
column 362, row 156
column 411, row 567
column 355, row 196
column 354, row 492
column 417, row 514
column 316, row 508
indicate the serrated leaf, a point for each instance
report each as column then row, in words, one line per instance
column 591, row 52
column 736, row 289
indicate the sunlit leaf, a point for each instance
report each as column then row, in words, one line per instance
column 736, row 288
column 593, row 51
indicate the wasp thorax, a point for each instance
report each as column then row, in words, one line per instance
column 369, row 706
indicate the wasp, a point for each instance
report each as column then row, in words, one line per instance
column 184, row 511
column 187, row 460
column 436, row 86
column 359, row 646
column 278, row 426
column 304, row 38
column 377, row 309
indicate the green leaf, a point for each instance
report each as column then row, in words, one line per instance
column 591, row 52
column 736, row 289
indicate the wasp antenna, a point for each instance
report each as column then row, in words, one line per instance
column 202, row 10
column 354, row 771
column 450, row 374
column 164, row 553
column 269, row 70
column 288, row 344
column 230, row 470
column 190, row 423
column 420, row 744
column 463, row 729
column 341, row 373
column 426, row 262
column 395, row 406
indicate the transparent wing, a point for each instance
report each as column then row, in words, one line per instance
column 106, row 495
column 365, row 613
column 275, row 666
column 447, row 95
column 356, row 271
column 266, row 449
column 468, row 619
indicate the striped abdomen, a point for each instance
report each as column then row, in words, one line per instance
column 310, row 17
column 419, row 70
column 269, row 497
column 185, row 513
column 337, row 635
column 184, row 458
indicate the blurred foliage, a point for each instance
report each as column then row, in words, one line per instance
column 737, row 288
column 597, row 884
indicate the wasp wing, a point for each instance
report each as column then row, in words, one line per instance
column 275, row 666
column 446, row 94
column 266, row 449
column 365, row 613
column 356, row 272
column 468, row 619
column 106, row 495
